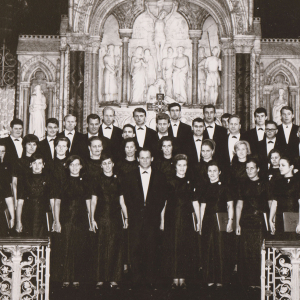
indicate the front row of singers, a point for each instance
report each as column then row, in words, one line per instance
column 92, row 203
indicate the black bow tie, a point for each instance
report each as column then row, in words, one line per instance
column 52, row 140
column 145, row 172
column 209, row 126
column 16, row 140
column 107, row 127
column 70, row 133
column 270, row 142
column 174, row 124
column 234, row 137
column 140, row 128
column 261, row 129
column 198, row 140
column 287, row 126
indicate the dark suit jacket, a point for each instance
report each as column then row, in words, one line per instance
column 221, row 138
column 192, row 152
column 292, row 148
column 11, row 155
column 184, row 136
column 114, row 143
column 78, row 146
column 148, row 214
column 151, row 141
column 45, row 150
column 252, row 138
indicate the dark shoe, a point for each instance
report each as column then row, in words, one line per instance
column 174, row 286
column 114, row 286
column 183, row 286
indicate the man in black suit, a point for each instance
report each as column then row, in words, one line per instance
column 13, row 143
column 256, row 134
column 46, row 146
column 213, row 131
column 112, row 133
column 145, row 197
column 181, row 132
column 287, row 133
column 77, row 139
column 194, row 149
column 267, row 144
column 146, row 137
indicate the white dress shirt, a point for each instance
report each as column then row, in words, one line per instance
column 140, row 134
column 198, row 144
column 91, row 135
column 107, row 130
column 145, row 177
column 287, row 131
column 18, row 144
column 70, row 136
column 260, row 131
column 270, row 144
column 210, row 129
column 51, row 144
column 161, row 135
column 175, row 126
column 232, row 139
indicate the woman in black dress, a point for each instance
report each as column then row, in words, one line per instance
column 34, row 199
column 21, row 169
column 72, row 206
column 180, row 245
column 285, row 197
column 250, row 224
column 129, row 163
column 273, row 172
column 94, row 162
column 165, row 162
column 107, row 211
column 216, row 252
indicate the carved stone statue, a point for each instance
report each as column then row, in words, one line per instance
column 201, row 75
column 277, row 105
column 212, row 66
column 156, row 88
column 110, row 86
column 150, row 67
column 167, row 72
column 159, row 31
column 181, row 67
column 138, row 73
column 37, row 109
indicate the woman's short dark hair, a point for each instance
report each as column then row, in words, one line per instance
column 179, row 157
column 288, row 159
column 213, row 163
column 252, row 159
column 210, row 143
column 36, row 156
column 71, row 158
column 274, row 150
column 106, row 155
column 63, row 139
column 130, row 140
column 165, row 139
column 30, row 138
column 95, row 138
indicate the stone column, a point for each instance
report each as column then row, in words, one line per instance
column 294, row 103
column 51, row 104
column 231, row 60
column 267, row 89
column 61, row 89
column 26, row 89
column 95, row 63
column 195, row 36
column 125, row 35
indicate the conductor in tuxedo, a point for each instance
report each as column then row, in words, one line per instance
column 146, row 137
column 13, row 143
column 257, row 134
column 145, row 192
column 213, row 131
column 112, row 133
column 287, row 133
column 77, row 144
column 181, row 132
column 46, row 146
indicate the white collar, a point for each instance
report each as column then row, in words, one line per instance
column 50, row 138
column 212, row 124
column 110, row 126
column 263, row 127
column 147, row 170
column 237, row 135
column 142, row 126
column 67, row 131
column 13, row 138
column 287, row 126
column 175, row 122
column 198, row 137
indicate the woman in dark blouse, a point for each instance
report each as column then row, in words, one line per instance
column 273, row 172
column 128, row 163
column 165, row 162
column 72, row 206
column 285, row 196
column 250, row 224
column 107, row 211
column 34, row 199
column 216, row 252
column 180, row 244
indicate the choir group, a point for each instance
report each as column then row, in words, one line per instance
column 163, row 203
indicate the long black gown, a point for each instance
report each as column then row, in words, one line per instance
column 109, row 247
column 217, row 247
column 180, row 244
column 36, row 191
column 124, row 166
column 253, row 229
column 166, row 166
column 21, row 169
column 286, row 192
column 74, row 228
